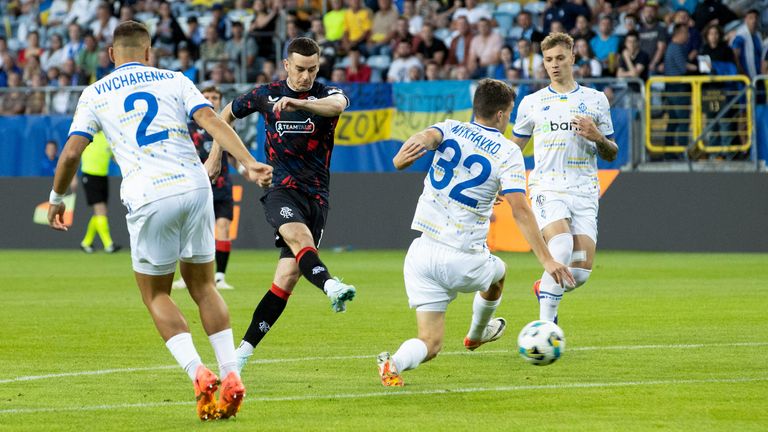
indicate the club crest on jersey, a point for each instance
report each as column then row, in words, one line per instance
column 301, row 127
column 286, row 212
column 540, row 200
column 582, row 107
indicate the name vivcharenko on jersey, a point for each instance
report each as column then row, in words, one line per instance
column 132, row 78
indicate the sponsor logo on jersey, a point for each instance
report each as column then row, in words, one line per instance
column 557, row 126
column 300, row 127
column 273, row 99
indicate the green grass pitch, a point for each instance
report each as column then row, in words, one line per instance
column 654, row 342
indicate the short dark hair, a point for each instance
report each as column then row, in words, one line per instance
column 211, row 89
column 679, row 28
column 632, row 33
column 492, row 96
column 131, row 34
column 303, row 46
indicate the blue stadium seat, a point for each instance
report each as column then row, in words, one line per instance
column 505, row 22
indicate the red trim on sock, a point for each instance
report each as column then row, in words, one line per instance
column 223, row 245
column 303, row 251
column 283, row 294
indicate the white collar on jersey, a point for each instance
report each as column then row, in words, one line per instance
column 572, row 91
column 129, row 64
column 485, row 127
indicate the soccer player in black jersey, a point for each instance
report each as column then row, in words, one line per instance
column 223, row 203
column 300, row 116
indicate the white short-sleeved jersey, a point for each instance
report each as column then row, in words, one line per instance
column 565, row 161
column 143, row 112
column 470, row 167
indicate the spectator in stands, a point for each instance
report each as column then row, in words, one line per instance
column 292, row 31
column 524, row 28
column 63, row 100
column 105, row 66
column 241, row 51
column 76, row 77
column 719, row 58
column 709, row 11
column 585, row 56
column 220, row 21
column 458, row 53
column 88, row 59
column 514, row 75
column 694, row 37
column 432, row 71
column 653, row 35
column 216, row 77
column 75, row 44
column 415, row 73
column 126, row 13
column 582, row 29
column 57, row 14
column 14, row 101
column 527, row 61
column 240, row 13
column 382, row 29
column 357, row 71
column 328, row 49
column 55, row 55
column 333, row 21
column 629, row 24
column 565, row 12
column 402, row 34
column 357, row 24
column 747, row 45
column 429, row 48
column 484, row 50
column 633, row 63
column 556, row 27
column 605, row 45
column 35, row 96
column 168, row 33
column 472, row 12
column 415, row 20
column 403, row 62
column 676, row 64
column 459, row 73
column 30, row 70
column 104, row 24
column 82, row 12
column 52, row 76
column 144, row 10
column 32, row 49
column 506, row 61
column 50, row 159
column 339, row 75
column 194, row 37
column 3, row 49
column 9, row 67
column 213, row 49
column 269, row 69
column 186, row 65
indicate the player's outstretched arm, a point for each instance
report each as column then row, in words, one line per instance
column 526, row 222
column 586, row 127
column 416, row 146
column 65, row 172
column 230, row 141
column 331, row 106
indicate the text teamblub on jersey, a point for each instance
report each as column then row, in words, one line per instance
column 564, row 161
column 299, row 144
column 143, row 112
column 470, row 167
column 222, row 185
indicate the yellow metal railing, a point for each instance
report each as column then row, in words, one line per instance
column 737, row 116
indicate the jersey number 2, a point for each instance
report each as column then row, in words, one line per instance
column 448, row 165
column 141, row 133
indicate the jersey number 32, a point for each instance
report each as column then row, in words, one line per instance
column 448, row 165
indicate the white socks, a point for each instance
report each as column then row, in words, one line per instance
column 184, row 352
column 410, row 354
column 550, row 292
column 581, row 275
column 482, row 311
column 224, row 346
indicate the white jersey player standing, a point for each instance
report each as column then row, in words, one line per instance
column 143, row 112
column 472, row 165
column 571, row 125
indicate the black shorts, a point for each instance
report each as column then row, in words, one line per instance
column 96, row 188
column 282, row 206
column 222, row 208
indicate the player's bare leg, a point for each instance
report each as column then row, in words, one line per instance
column 413, row 352
column 223, row 249
column 269, row 308
column 299, row 239
column 483, row 329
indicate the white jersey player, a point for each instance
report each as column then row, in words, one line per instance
column 472, row 165
column 143, row 111
column 571, row 126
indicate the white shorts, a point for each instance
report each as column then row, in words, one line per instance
column 435, row 273
column 178, row 227
column 579, row 210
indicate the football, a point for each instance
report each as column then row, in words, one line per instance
column 541, row 342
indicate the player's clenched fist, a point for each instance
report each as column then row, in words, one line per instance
column 260, row 173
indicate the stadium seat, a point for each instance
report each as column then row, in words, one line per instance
column 488, row 6
column 505, row 22
column 513, row 8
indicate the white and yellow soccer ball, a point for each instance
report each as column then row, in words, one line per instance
column 541, row 342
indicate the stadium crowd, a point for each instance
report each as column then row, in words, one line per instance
column 64, row 42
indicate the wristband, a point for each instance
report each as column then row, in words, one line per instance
column 55, row 198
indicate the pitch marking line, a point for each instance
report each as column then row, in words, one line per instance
column 400, row 393
column 369, row 356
